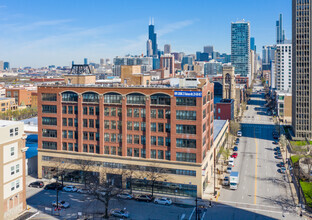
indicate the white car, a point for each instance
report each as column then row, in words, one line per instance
column 239, row 133
column 120, row 213
column 61, row 204
column 229, row 169
column 163, row 201
column 83, row 191
column 231, row 163
column 70, row 189
column 125, row 196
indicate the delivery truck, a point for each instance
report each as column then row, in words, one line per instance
column 234, row 180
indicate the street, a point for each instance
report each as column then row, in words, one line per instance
column 262, row 189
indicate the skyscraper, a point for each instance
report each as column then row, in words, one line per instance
column 252, row 44
column 240, row 47
column 283, row 67
column 149, row 48
column 85, row 61
column 208, row 49
column 167, row 48
column 301, row 69
column 102, row 61
column 153, row 37
column 6, row 65
column 280, row 32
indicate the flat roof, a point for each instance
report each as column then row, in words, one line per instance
column 217, row 127
column 4, row 123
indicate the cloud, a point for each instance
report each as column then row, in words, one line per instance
column 175, row 26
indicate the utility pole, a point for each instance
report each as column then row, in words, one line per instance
column 214, row 168
column 196, row 211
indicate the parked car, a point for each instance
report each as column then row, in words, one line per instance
column 70, row 188
column 125, row 196
column 275, row 142
column 146, row 198
column 282, row 170
column 234, row 155
column 226, row 181
column 83, row 191
column 120, row 213
column 235, row 148
column 61, row 204
column 239, row 133
column 279, row 156
column 36, row 184
column 163, row 201
column 231, row 163
column 281, row 164
column 54, row 186
column 229, row 169
column 291, row 168
column 277, row 149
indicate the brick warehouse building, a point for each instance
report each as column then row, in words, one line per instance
column 115, row 127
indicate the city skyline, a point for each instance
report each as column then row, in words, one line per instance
column 48, row 34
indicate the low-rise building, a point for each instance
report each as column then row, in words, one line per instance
column 12, row 166
column 7, row 104
column 284, row 105
column 225, row 109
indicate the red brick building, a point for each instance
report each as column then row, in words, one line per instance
column 225, row 109
column 160, row 125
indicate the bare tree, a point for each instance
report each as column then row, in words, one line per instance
column 225, row 154
column 234, row 127
column 130, row 174
column 86, row 165
column 154, row 174
column 283, row 142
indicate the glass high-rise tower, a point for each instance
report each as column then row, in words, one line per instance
column 153, row 37
column 280, row 33
column 301, row 69
column 240, row 48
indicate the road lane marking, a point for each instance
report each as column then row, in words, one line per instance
column 255, row 197
column 245, row 203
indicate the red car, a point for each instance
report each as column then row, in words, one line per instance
column 234, row 155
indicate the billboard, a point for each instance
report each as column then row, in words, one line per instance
column 187, row 94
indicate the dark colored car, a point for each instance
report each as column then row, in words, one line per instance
column 277, row 149
column 275, row 142
column 36, row 184
column 54, row 186
column 281, row 164
column 146, row 198
column 235, row 148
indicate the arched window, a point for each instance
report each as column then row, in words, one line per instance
column 69, row 97
column 90, row 97
column 112, row 97
column 136, row 98
column 160, row 99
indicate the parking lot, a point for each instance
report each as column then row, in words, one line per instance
column 41, row 200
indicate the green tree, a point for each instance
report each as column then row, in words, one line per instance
column 283, row 142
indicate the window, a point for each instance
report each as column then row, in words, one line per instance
column 119, row 112
column 113, row 138
column 70, row 122
column 16, row 131
column 97, row 110
column 143, row 113
column 160, row 99
column 143, row 139
column 97, row 136
column 90, row 97
column 136, row 152
column 204, row 113
column 204, row 100
column 113, row 125
column 49, row 145
column 69, row 97
column 187, row 157
column 48, row 97
column 12, row 186
column 70, row 146
column 91, row 136
column 129, row 112
column 160, row 113
column 113, row 111
column 91, row 148
column 106, row 124
column 168, row 155
column 136, row 98
column 153, row 113
column 186, row 101
column 106, row 149
column 186, row 129
column 12, row 151
column 76, row 109
column 112, row 98
column 119, row 151
column 85, row 110
column 143, row 126
column 119, row 125
column 49, row 133
column 85, row 148
column 106, row 111
column 64, row 134
column 129, row 152
column 85, row 135
column 91, row 110
column 113, row 150
column 186, row 115
column 49, row 121
column 168, row 128
column 143, row 153
column 153, row 127
column 136, row 112
column 64, row 147
column 136, row 126
column 167, row 114
column 136, row 139
column 76, row 122
column 129, row 125
column 129, row 139
column 106, row 137
column 85, row 123
column 97, row 123
column 91, row 123
column 70, row 109
column 11, row 132
column 160, row 141
column 186, row 143
column 119, row 138
column 167, row 141
column 160, row 154
column 49, row 109
column 160, row 127
column 12, row 170
column 17, row 184
column 153, row 154
column 153, row 140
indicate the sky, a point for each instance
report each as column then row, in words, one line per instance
column 39, row 33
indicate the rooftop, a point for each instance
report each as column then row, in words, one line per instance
column 217, row 127
column 4, row 123
column 226, row 100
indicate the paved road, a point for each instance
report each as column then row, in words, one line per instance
column 262, row 188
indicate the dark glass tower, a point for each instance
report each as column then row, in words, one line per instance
column 153, row 37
